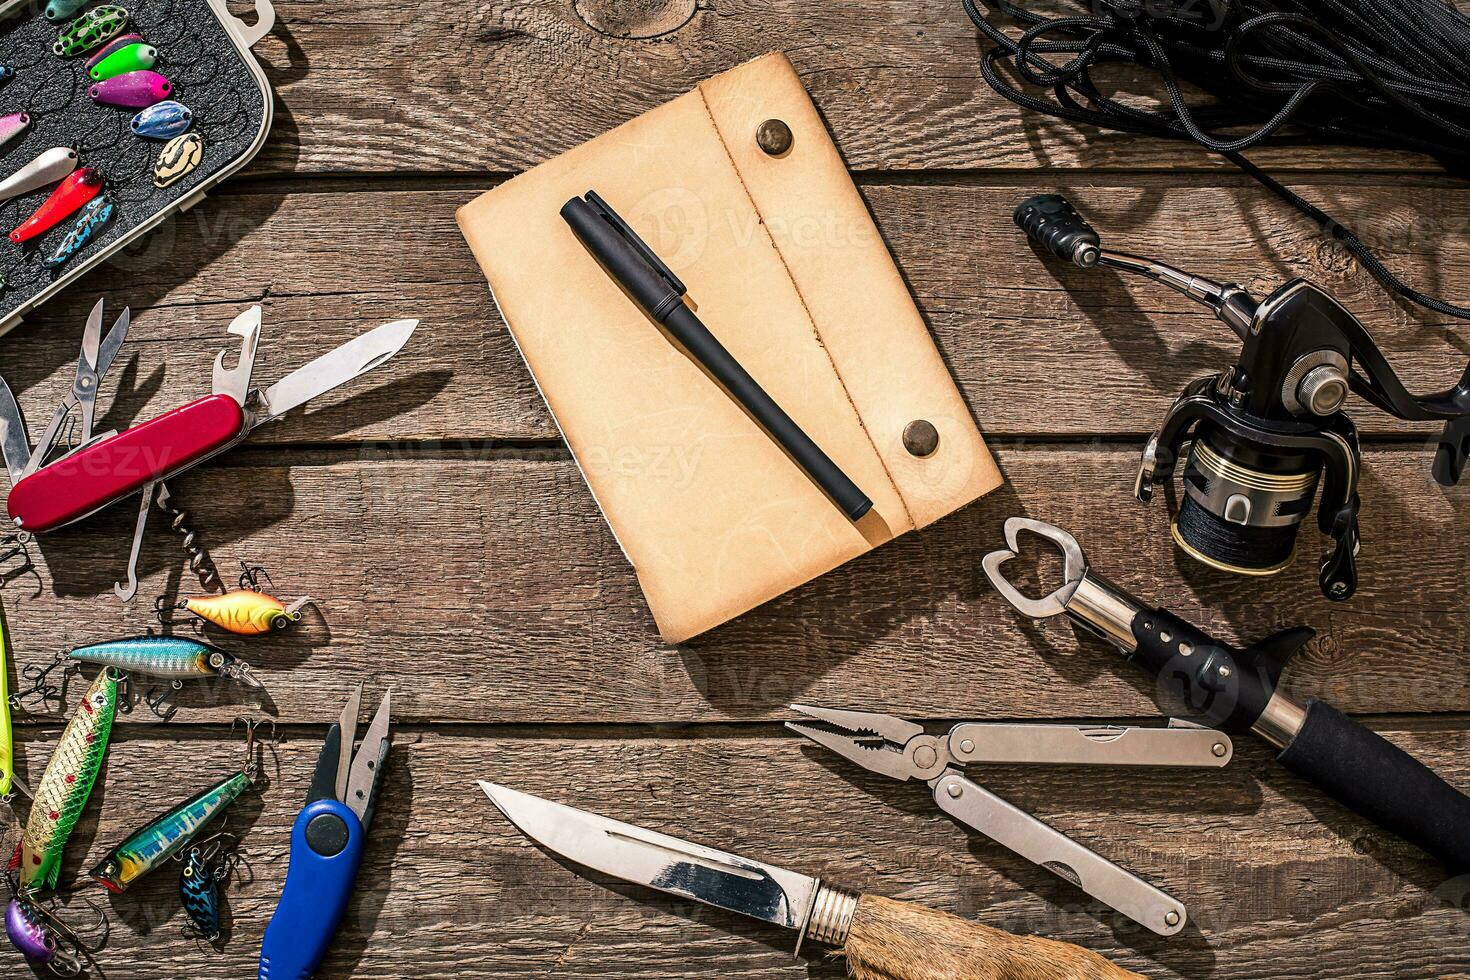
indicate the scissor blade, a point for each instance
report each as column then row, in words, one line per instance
column 91, row 338
column 14, row 440
column 726, row 881
column 347, row 725
column 368, row 762
column 107, row 352
column 337, row 367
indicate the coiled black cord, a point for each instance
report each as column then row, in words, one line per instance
column 1382, row 73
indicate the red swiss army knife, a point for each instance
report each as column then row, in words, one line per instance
column 103, row 470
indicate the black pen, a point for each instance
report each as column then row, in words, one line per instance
column 655, row 288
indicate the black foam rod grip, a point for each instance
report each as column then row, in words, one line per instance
column 1050, row 221
column 1382, row 782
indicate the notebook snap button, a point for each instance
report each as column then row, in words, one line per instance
column 774, row 137
column 920, row 438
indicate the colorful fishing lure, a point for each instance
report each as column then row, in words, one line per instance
column 66, row 785
column 163, row 121
column 48, row 168
column 13, row 125
column 79, row 187
column 135, row 90
column 7, row 744
column 170, row 833
column 129, row 58
column 97, row 26
column 29, row 935
column 62, row 9
column 170, row 658
column 95, row 214
column 111, row 48
column 199, row 893
column 178, row 159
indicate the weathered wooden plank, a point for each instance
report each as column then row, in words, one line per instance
column 450, row 86
column 491, row 590
column 1280, row 882
column 1102, row 354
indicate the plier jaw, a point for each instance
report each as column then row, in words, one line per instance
column 881, row 743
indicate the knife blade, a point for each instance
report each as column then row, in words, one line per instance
column 727, row 881
column 334, row 368
column 880, row 937
column 14, row 439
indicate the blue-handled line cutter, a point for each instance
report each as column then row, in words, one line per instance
column 326, row 845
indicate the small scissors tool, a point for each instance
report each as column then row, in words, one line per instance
column 96, row 357
column 900, row 749
column 326, row 845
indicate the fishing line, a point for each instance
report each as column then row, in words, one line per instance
column 1391, row 74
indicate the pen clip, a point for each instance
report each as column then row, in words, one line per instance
column 631, row 237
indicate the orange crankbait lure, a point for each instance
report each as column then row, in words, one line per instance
column 245, row 611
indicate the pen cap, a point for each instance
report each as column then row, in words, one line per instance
column 627, row 260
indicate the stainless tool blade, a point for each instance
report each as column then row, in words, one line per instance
column 337, row 367
column 726, row 881
column 91, row 339
column 347, row 725
column 367, row 763
column 107, row 352
column 14, row 440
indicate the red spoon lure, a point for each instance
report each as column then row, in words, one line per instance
column 77, row 189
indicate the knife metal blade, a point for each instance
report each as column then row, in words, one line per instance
column 337, row 367
column 726, row 881
column 14, row 439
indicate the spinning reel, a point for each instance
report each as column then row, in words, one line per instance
column 1263, row 433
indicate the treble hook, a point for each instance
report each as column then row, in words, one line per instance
column 158, row 702
column 250, row 576
column 251, row 767
column 41, row 689
column 164, row 611
column 15, row 547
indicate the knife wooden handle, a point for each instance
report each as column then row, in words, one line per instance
column 901, row 941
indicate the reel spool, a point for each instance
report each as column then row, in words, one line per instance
column 1266, row 435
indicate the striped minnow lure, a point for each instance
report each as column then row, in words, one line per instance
column 170, row 658
column 165, row 836
column 63, row 791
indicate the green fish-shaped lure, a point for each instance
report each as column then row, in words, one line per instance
column 62, row 794
column 165, row 836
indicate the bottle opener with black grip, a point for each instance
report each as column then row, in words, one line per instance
column 1237, row 690
column 1265, row 432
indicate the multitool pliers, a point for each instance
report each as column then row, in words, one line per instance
column 900, row 749
column 1236, row 689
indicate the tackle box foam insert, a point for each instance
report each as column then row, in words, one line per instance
column 210, row 75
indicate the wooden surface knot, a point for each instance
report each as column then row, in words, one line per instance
column 635, row 20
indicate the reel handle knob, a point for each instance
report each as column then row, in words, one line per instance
column 1052, row 222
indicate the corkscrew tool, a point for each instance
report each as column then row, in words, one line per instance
column 95, row 473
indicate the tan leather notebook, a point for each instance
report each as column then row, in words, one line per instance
column 784, row 265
